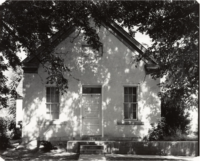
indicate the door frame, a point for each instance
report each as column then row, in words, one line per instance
column 81, row 109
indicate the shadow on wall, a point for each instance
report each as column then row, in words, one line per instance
column 113, row 70
column 36, row 126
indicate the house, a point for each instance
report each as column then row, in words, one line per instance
column 108, row 96
column 19, row 103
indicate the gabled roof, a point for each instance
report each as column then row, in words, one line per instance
column 51, row 43
column 19, row 89
column 118, row 31
column 131, row 42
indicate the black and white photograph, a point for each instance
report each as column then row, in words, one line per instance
column 99, row 80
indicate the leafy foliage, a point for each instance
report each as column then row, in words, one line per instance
column 172, row 25
column 4, row 90
column 175, row 120
column 47, row 146
column 5, row 122
column 158, row 133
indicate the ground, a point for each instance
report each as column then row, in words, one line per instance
column 23, row 155
column 17, row 153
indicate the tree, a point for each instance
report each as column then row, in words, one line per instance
column 173, row 26
column 176, row 118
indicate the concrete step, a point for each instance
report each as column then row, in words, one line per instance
column 91, row 149
column 91, row 157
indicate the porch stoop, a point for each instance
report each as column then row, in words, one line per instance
column 91, row 149
column 178, row 148
column 126, row 146
column 88, row 147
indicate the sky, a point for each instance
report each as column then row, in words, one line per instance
column 1, row 1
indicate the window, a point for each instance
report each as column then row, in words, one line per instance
column 88, row 51
column 52, row 102
column 130, row 102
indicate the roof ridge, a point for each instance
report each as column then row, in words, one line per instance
column 48, row 41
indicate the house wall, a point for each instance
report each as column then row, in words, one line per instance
column 19, row 103
column 114, row 70
column 19, row 114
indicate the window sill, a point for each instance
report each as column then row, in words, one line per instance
column 129, row 122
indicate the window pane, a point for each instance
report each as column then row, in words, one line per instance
column 130, row 98
column 52, row 90
column 48, row 98
column 134, row 90
column 48, row 108
column 57, row 95
column 54, row 108
column 133, row 106
column 126, row 98
column 130, row 111
column 126, row 114
column 53, row 94
column 48, row 90
column 125, row 90
column 134, row 115
column 130, row 90
column 53, row 98
column 55, row 115
column 134, row 98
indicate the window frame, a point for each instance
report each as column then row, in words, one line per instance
column 97, row 55
column 136, row 103
column 52, row 103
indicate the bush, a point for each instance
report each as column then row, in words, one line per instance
column 4, row 135
column 164, row 132
column 16, row 132
column 47, row 146
column 175, row 119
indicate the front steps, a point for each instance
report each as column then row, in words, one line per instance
column 87, row 147
column 91, row 149
column 92, row 157
column 177, row 148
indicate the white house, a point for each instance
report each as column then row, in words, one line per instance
column 108, row 96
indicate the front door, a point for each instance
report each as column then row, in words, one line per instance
column 91, row 111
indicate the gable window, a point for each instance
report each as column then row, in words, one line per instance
column 130, row 103
column 89, row 51
column 52, row 103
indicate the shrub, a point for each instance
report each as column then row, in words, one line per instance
column 175, row 119
column 16, row 132
column 47, row 146
column 4, row 136
column 164, row 132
